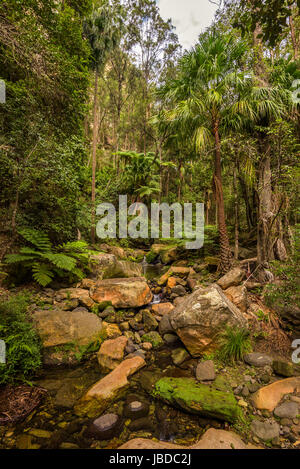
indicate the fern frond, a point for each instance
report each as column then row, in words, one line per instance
column 41, row 274
column 37, row 238
column 18, row 258
column 62, row 261
column 76, row 246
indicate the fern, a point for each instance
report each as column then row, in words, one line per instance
column 41, row 274
column 39, row 239
column 46, row 262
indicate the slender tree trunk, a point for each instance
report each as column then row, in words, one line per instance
column 236, row 214
column 225, row 252
column 295, row 39
column 160, row 173
column 94, row 158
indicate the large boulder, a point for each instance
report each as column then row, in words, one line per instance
column 268, row 397
column 122, row 292
column 64, row 327
column 200, row 318
column 198, row 398
column 108, row 389
column 123, row 269
column 101, row 262
column 212, row 439
column 232, row 279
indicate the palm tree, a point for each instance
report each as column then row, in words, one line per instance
column 204, row 103
column 102, row 29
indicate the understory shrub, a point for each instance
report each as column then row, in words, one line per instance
column 23, row 348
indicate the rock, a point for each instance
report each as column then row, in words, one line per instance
column 238, row 296
column 181, row 272
column 105, row 427
column 147, row 346
column 197, row 398
column 162, row 308
column 68, row 305
column 154, row 338
column 232, row 279
column 170, row 338
column 136, row 410
column 269, row 396
column 111, row 330
column 288, row 410
column 253, row 387
column 109, row 311
column 171, row 283
column 111, row 353
column 179, row 355
column 165, row 325
column 117, row 251
column 265, row 430
column 142, row 424
column 149, row 321
column 108, row 389
column 123, row 293
column 80, row 309
column 179, row 290
column 39, row 433
column 191, row 283
column 245, row 391
column 100, row 262
column 123, row 269
column 283, row 368
column 79, row 294
column 205, row 371
column 178, row 301
column 212, row 439
column 258, row 359
column 67, row 445
column 169, row 255
column 87, row 283
column 200, row 319
column 65, row 327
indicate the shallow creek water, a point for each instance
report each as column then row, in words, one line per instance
column 54, row 424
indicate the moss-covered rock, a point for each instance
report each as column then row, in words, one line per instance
column 154, row 338
column 198, row 398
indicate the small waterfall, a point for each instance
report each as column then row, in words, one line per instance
column 144, row 264
column 156, row 299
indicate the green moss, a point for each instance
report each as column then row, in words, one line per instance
column 104, row 304
column 198, row 398
column 151, row 257
column 154, row 338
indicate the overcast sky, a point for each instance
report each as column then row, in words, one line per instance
column 190, row 17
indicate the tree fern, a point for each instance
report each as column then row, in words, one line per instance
column 47, row 262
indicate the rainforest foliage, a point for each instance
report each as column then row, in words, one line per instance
column 101, row 100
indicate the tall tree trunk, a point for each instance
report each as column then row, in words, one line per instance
column 294, row 37
column 236, row 214
column 225, row 251
column 94, row 158
column 266, row 210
